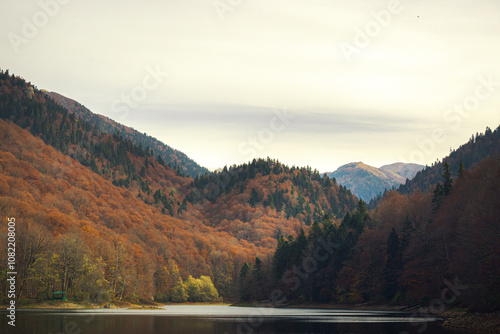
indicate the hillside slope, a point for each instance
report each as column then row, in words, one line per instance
column 132, row 243
column 174, row 158
column 112, row 156
column 264, row 199
column 458, row 242
column 134, row 198
column 479, row 147
column 405, row 251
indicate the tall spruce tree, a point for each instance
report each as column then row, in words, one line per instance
column 448, row 181
column 461, row 169
column 443, row 189
column 393, row 265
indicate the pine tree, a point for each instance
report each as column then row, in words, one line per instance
column 443, row 189
column 437, row 196
column 257, row 266
column 281, row 257
column 448, row 181
column 256, row 286
column 299, row 246
column 393, row 265
column 244, row 270
column 160, row 160
column 254, row 199
column 244, row 282
column 461, row 169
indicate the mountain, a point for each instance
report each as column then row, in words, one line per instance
column 109, row 199
column 174, row 158
column 404, row 251
column 266, row 188
column 441, row 245
column 479, row 147
column 405, row 170
column 366, row 181
column 118, row 240
column 111, row 204
column 103, row 218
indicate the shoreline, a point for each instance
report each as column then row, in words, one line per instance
column 363, row 307
column 475, row 322
column 72, row 305
column 452, row 318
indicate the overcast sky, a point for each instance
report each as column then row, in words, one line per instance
column 312, row 82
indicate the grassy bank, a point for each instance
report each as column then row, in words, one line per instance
column 76, row 305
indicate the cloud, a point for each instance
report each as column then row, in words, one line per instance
column 227, row 76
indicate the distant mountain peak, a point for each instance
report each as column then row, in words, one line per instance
column 366, row 181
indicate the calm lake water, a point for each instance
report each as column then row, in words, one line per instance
column 220, row 319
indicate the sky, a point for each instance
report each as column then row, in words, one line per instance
column 308, row 82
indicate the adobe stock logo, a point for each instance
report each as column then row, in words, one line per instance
column 138, row 93
column 224, row 6
column 265, row 136
column 453, row 118
column 30, row 28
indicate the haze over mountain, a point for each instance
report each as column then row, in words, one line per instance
column 231, row 64
column 366, row 181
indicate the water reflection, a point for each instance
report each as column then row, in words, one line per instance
column 187, row 319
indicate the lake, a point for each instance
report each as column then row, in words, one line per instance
column 220, row 319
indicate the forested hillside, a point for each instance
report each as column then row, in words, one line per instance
column 479, row 147
column 173, row 158
column 277, row 193
column 102, row 216
column 264, row 199
column 80, row 233
column 406, row 250
column 110, row 155
column 86, row 185
column 295, row 191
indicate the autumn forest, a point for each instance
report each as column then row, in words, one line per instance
column 106, row 213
